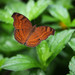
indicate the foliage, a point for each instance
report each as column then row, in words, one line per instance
column 45, row 58
column 19, row 63
column 72, row 66
column 72, row 43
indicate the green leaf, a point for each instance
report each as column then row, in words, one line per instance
column 73, row 23
column 37, row 8
column 19, row 63
column 71, row 73
column 54, row 26
column 9, row 44
column 2, row 60
column 58, row 42
column 65, row 3
column 7, row 27
column 61, row 13
column 10, row 9
column 8, row 1
column 72, row 66
column 47, row 18
column 5, row 16
column 43, row 52
column 29, row 10
column 72, row 43
column 37, row 72
column 1, row 56
column 28, row 72
column 25, row 72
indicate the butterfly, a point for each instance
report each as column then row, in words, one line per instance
column 27, row 34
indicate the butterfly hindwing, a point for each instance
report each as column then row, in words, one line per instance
column 21, row 35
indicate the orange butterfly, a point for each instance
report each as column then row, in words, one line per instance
column 27, row 34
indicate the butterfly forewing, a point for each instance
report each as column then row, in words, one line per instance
column 21, row 22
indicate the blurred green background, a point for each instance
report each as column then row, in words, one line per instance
column 53, row 56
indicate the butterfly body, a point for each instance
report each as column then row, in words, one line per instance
column 27, row 34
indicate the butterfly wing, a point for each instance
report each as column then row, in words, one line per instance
column 39, row 34
column 21, row 22
column 44, row 31
column 22, row 27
